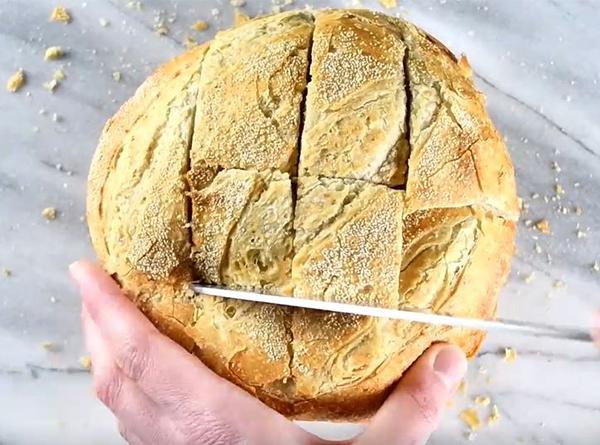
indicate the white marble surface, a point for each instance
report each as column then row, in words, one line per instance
column 539, row 64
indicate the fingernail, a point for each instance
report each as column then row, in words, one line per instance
column 450, row 365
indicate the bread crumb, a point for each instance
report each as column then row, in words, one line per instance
column 103, row 22
column 237, row 3
column 50, row 346
column 482, row 370
column 596, row 266
column 6, row 272
column 53, row 299
column 239, row 17
column 470, row 436
column 558, row 284
column 116, row 76
column 190, row 43
column 537, row 248
column 49, row 213
column 162, row 29
column 510, row 355
column 200, row 25
column 85, row 361
column 529, row 277
column 471, row 418
column 558, row 189
column 54, row 53
column 59, row 75
column 556, row 167
column 580, row 234
column 462, row 387
column 489, row 380
column 482, row 400
column 51, row 85
column 543, row 226
column 388, row 3
column 16, row 81
column 135, row 5
column 60, row 14
column 494, row 416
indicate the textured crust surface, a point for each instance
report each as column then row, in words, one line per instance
column 251, row 87
column 356, row 104
column 195, row 178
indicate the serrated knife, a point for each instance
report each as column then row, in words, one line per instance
column 500, row 324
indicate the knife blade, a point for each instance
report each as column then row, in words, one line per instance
column 499, row 324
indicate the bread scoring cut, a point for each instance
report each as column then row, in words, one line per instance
column 338, row 155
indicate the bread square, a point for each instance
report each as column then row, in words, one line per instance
column 355, row 123
column 242, row 230
column 251, row 87
column 348, row 242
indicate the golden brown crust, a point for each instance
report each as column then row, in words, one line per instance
column 457, row 157
column 356, row 104
column 167, row 204
column 251, row 87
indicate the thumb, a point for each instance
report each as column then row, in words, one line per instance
column 413, row 410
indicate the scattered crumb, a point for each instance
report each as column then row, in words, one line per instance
column 60, row 14
column 529, row 277
column 85, row 361
column 162, row 29
column 237, row 3
column 510, row 355
column 543, row 226
column 537, row 248
column 535, row 195
column 51, row 85
column 462, row 387
column 59, row 75
column 215, row 12
column 53, row 299
column 200, row 25
column 556, row 167
column 50, row 346
column 16, row 81
column 596, row 266
column 489, row 380
column 470, row 436
column 578, row 211
column 482, row 400
column 471, row 418
column 494, row 416
column 239, row 18
column 6, row 272
column 388, row 3
column 558, row 189
column 116, row 76
column 49, row 213
column 135, row 5
column 103, row 22
column 54, row 53
column 558, row 284
column 528, row 223
column 190, row 43
column 482, row 370
column 580, row 233
column 520, row 202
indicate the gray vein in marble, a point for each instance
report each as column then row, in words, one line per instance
column 542, row 116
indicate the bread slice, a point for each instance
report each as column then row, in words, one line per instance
column 354, row 257
column 242, row 230
column 251, row 88
column 457, row 157
column 356, row 105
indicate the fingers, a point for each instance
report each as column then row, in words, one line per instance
column 119, row 393
column 414, row 409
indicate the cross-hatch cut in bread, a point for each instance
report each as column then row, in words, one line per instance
column 336, row 155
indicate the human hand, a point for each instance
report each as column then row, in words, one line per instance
column 161, row 394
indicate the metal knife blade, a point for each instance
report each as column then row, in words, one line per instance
column 520, row 327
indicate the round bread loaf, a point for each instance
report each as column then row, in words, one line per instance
column 336, row 155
